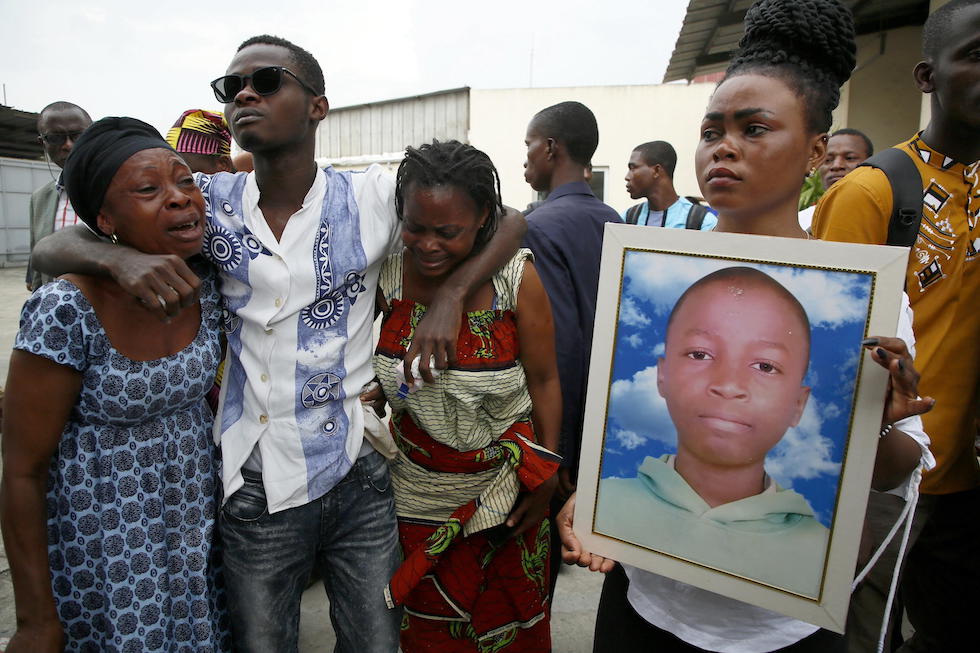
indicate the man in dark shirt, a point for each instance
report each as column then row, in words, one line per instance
column 58, row 127
column 565, row 234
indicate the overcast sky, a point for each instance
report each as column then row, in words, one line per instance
column 154, row 60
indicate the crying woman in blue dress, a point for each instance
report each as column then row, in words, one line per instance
column 109, row 491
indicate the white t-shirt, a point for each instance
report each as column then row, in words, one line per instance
column 806, row 217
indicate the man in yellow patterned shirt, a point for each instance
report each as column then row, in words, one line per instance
column 941, row 585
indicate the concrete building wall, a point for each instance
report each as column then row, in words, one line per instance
column 627, row 116
column 882, row 99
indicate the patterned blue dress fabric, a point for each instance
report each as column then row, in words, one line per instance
column 133, row 488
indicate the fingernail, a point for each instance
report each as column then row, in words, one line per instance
column 869, row 342
column 881, row 353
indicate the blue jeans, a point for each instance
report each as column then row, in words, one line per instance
column 350, row 535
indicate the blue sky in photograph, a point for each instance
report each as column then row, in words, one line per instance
column 808, row 459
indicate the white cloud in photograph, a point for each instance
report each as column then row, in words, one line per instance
column 641, row 414
column 628, row 440
column 804, row 452
column 830, row 298
column 637, row 407
column 631, row 315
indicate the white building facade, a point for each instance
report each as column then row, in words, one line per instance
column 495, row 121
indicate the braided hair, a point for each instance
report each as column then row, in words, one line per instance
column 462, row 166
column 808, row 44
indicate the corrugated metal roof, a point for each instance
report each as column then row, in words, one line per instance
column 422, row 96
column 712, row 29
column 18, row 134
column 380, row 128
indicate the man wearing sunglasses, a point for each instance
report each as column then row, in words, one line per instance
column 58, row 125
column 299, row 251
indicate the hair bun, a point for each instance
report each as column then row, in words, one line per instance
column 816, row 35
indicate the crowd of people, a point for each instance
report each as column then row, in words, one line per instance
column 137, row 515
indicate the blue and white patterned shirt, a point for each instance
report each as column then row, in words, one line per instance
column 298, row 314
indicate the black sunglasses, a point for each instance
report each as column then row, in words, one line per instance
column 265, row 81
column 57, row 139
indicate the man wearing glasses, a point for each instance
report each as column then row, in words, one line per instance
column 299, row 251
column 58, row 125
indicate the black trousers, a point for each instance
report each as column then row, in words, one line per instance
column 941, row 584
column 619, row 629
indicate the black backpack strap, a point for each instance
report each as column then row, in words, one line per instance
column 633, row 213
column 906, row 183
column 695, row 217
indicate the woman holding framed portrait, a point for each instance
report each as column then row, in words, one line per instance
column 764, row 129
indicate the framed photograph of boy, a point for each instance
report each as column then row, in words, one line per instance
column 732, row 414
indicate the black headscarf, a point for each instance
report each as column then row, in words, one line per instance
column 96, row 157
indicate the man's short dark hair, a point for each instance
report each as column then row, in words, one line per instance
column 573, row 125
column 937, row 26
column 308, row 67
column 847, row 131
column 659, row 153
column 62, row 105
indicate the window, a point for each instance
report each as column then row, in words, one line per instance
column 598, row 183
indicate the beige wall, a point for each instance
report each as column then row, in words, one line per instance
column 882, row 99
column 627, row 116
column 907, row 110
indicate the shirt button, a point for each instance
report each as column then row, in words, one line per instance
column 268, row 332
column 264, row 377
column 278, row 302
column 263, row 419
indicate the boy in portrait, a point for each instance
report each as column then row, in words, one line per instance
column 732, row 374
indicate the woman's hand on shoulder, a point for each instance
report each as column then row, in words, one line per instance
column 903, row 398
column 163, row 283
column 572, row 551
column 435, row 336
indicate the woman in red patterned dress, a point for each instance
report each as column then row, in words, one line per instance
column 475, row 468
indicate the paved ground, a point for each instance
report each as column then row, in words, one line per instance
column 573, row 617
column 578, row 590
